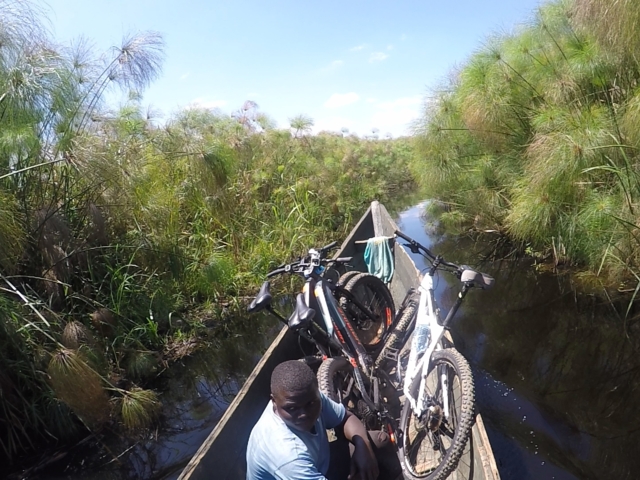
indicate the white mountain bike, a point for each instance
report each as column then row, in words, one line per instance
column 437, row 383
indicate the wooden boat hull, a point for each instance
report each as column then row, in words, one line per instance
column 222, row 455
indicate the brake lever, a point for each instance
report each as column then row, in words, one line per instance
column 413, row 247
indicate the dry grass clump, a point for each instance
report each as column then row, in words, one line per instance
column 75, row 334
column 79, row 386
column 104, row 321
column 613, row 22
column 138, row 408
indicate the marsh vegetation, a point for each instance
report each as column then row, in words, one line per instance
column 127, row 242
column 536, row 135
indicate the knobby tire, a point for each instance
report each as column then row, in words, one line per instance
column 374, row 295
column 332, row 374
column 398, row 335
column 462, row 417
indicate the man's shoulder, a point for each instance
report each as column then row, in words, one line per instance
column 271, row 436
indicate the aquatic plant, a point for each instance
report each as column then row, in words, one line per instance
column 535, row 136
column 137, row 408
column 79, row 386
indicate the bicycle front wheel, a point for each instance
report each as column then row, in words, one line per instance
column 432, row 444
column 335, row 379
column 398, row 336
column 372, row 322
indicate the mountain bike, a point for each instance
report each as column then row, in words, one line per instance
column 436, row 380
column 346, row 372
column 364, row 298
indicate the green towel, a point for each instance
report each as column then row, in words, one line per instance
column 379, row 258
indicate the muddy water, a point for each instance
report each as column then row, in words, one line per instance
column 557, row 372
column 557, row 377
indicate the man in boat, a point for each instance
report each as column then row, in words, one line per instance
column 289, row 441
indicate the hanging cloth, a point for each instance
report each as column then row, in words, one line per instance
column 379, row 259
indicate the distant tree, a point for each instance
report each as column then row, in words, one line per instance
column 301, row 124
column 251, row 119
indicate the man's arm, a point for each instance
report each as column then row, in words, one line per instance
column 302, row 468
column 363, row 461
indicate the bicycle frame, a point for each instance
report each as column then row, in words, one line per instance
column 428, row 312
column 331, row 322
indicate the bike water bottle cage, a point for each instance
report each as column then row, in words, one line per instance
column 302, row 315
column 262, row 300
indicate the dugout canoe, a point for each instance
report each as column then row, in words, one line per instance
column 222, row 455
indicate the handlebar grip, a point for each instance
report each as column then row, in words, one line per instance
column 415, row 246
column 329, row 247
column 402, row 235
column 275, row 272
column 343, row 259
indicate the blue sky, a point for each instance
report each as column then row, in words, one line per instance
column 354, row 64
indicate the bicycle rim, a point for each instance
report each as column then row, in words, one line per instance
column 373, row 294
column 432, row 445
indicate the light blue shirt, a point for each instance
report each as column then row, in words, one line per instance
column 276, row 452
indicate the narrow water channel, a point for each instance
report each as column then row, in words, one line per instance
column 557, row 377
column 557, row 372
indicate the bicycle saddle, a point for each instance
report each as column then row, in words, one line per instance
column 262, row 300
column 302, row 315
column 476, row 279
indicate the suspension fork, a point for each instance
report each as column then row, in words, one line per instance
column 443, row 374
column 335, row 318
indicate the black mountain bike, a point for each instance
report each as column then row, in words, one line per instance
column 347, row 372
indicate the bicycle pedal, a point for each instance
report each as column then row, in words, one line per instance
column 392, row 354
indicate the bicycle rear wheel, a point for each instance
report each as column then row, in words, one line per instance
column 431, row 445
column 370, row 324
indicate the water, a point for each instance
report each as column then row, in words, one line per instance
column 195, row 393
column 557, row 378
column 557, row 372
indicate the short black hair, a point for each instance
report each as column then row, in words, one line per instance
column 292, row 376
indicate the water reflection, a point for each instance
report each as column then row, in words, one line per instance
column 557, row 378
column 195, row 394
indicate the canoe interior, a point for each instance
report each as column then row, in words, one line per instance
column 222, row 455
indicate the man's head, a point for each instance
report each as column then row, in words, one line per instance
column 295, row 394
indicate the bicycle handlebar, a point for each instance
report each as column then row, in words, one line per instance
column 299, row 266
column 416, row 247
column 466, row 275
column 331, row 246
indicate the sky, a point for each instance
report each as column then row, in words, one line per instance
column 345, row 64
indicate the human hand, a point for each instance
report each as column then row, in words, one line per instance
column 364, row 465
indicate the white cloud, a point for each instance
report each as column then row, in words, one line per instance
column 184, row 76
column 341, row 99
column 333, row 65
column 401, row 102
column 333, row 124
column 394, row 121
column 395, row 116
column 372, row 100
column 378, row 57
column 357, row 48
column 203, row 103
